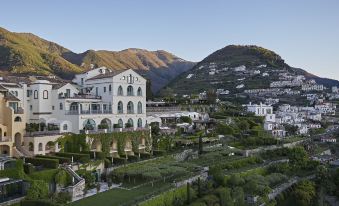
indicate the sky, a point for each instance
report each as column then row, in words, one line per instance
column 304, row 32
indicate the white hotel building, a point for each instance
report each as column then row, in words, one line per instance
column 99, row 97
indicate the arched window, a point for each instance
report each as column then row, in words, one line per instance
column 61, row 106
column 139, row 122
column 31, row 146
column 129, row 123
column 130, row 108
column 36, row 96
column 130, row 91
column 17, row 119
column 120, row 91
column 45, row 94
column 40, row 146
column 139, row 108
column 120, row 107
column 89, row 124
column 65, row 127
column 139, row 91
column 120, row 123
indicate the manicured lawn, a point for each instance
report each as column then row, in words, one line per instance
column 123, row 197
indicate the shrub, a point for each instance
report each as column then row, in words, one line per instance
column 132, row 158
column 83, row 158
column 98, row 155
column 28, row 168
column 62, row 160
column 119, row 161
column 143, row 155
column 159, row 152
column 89, row 178
column 37, row 190
column 48, row 163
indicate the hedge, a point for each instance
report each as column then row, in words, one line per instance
column 159, row 152
column 48, row 163
column 46, row 175
column 62, row 160
column 37, row 202
column 28, row 168
column 98, row 155
column 119, row 161
column 143, row 155
column 83, row 158
column 132, row 158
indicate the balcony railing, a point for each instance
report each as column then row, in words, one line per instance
column 76, row 112
column 5, row 139
column 42, row 133
column 80, row 96
column 19, row 110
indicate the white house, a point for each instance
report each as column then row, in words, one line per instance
column 259, row 109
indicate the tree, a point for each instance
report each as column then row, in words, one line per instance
column 225, row 196
column 304, row 193
column 211, row 96
column 244, row 125
column 186, row 119
column 238, row 196
column 298, row 157
column 235, row 180
column 149, row 93
column 291, row 129
column 37, row 190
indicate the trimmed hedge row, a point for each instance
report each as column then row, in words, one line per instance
column 83, row 158
column 62, row 160
column 159, row 152
column 144, row 155
column 47, row 163
column 119, row 161
column 98, row 155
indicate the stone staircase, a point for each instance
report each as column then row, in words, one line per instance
column 78, row 186
column 22, row 151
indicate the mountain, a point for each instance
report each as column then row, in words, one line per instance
column 25, row 53
column 237, row 68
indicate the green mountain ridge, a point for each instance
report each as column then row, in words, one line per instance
column 225, row 60
column 26, row 53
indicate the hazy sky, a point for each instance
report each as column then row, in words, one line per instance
column 304, row 32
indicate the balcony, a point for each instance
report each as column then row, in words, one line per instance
column 77, row 112
column 80, row 96
column 19, row 110
column 5, row 139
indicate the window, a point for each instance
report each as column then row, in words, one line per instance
column 29, row 93
column 31, row 107
column 130, row 108
column 139, row 108
column 82, row 81
column 65, row 127
column 130, row 91
column 17, row 119
column 45, row 94
column 120, row 91
column 36, row 96
column 130, row 123
column 96, row 91
column 68, row 93
column 139, row 91
column 53, row 107
column 61, row 106
column 139, row 122
column 120, row 108
column 40, row 146
column 16, row 93
column 104, row 89
column 110, row 88
column 120, row 123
